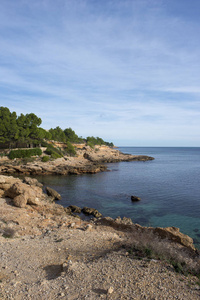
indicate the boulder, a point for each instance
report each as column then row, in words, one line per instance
column 20, row 201
column 34, row 201
column 91, row 211
column 7, row 181
column 16, row 189
column 2, row 179
column 75, row 209
column 135, row 199
column 125, row 221
column 52, row 193
column 68, row 210
column 30, row 194
column 32, row 181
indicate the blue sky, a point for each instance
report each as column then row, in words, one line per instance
column 125, row 70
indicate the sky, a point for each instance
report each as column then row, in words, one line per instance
column 127, row 71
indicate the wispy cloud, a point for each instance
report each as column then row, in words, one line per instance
column 124, row 70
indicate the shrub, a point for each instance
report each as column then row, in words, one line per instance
column 52, row 150
column 3, row 154
column 70, row 149
column 90, row 144
column 55, row 155
column 44, row 144
column 147, row 245
column 24, row 153
column 45, row 158
column 178, row 266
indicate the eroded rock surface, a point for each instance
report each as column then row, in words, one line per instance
column 88, row 160
column 20, row 192
column 52, row 193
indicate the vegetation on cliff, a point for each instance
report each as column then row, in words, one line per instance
column 24, row 131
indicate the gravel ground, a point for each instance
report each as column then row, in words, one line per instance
column 66, row 258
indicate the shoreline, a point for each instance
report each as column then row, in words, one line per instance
column 87, row 161
column 48, row 253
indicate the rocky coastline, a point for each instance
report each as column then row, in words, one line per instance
column 48, row 252
column 87, row 160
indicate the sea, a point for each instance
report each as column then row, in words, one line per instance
column 169, row 188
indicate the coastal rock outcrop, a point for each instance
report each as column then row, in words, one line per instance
column 174, row 234
column 6, row 182
column 74, row 209
column 20, row 192
column 91, row 211
column 52, row 193
column 23, row 194
column 32, row 181
column 108, row 155
column 88, row 160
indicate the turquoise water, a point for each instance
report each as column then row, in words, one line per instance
column 169, row 188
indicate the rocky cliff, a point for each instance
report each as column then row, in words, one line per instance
column 88, row 160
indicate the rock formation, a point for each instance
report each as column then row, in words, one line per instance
column 88, row 160
column 20, row 192
column 91, row 211
column 52, row 193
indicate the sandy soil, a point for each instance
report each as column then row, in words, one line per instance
column 49, row 256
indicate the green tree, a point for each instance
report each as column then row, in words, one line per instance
column 32, row 123
column 57, row 134
column 23, row 128
column 92, row 141
column 28, row 127
column 8, row 125
column 71, row 136
column 44, row 134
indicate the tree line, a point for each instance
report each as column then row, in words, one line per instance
column 25, row 130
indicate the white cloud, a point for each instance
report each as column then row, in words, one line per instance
column 102, row 68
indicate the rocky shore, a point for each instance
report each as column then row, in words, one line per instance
column 48, row 253
column 88, row 160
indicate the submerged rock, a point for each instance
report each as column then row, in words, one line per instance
column 135, row 199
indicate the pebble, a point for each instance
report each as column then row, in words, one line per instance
column 88, row 227
column 72, row 225
column 110, row 290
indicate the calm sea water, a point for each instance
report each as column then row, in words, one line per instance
column 169, row 188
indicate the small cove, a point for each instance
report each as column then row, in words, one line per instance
column 168, row 186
